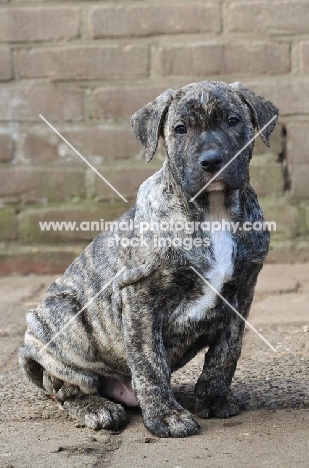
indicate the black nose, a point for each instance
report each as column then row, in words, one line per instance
column 211, row 161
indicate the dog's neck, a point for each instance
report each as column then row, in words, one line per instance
column 217, row 209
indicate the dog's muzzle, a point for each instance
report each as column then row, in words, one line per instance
column 211, row 161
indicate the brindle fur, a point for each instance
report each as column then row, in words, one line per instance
column 136, row 329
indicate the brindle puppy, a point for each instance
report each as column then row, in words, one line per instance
column 154, row 312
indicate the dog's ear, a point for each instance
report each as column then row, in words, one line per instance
column 147, row 122
column 262, row 110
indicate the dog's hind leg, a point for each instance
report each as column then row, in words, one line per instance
column 96, row 412
column 92, row 410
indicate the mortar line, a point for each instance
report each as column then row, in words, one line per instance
column 236, row 311
column 82, row 309
column 234, row 157
column 83, row 158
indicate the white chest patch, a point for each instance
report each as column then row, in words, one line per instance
column 220, row 271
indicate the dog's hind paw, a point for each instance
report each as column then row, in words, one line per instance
column 174, row 423
column 97, row 412
column 220, row 407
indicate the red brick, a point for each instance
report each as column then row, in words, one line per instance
column 126, row 178
column 279, row 17
column 94, row 143
column 41, row 23
column 304, row 57
column 114, row 103
column 152, row 19
column 27, row 102
column 6, row 65
column 85, row 63
column 212, row 59
column 29, row 184
column 298, row 143
column 290, row 96
column 6, row 148
column 25, row 260
column 40, row 145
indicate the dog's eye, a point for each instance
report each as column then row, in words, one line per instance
column 181, row 129
column 232, row 121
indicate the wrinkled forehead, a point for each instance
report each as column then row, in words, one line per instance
column 206, row 97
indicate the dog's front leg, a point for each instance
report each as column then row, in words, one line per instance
column 142, row 325
column 212, row 390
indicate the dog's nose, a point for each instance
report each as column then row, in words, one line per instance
column 211, row 161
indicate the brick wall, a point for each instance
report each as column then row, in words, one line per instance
column 86, row 66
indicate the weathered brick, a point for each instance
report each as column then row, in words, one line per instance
column 28, row 184
column 276, row 142
column 290, row 96
column 6, row 148
column 42, row 23
column 6, row 65
column 40, row 260
column 283, row 17
column 85, row 63
column 304, row 57
column 299, row 174
column 305, row 210
column 298, row 142
column 212, row 59
column 152, row 19
column 27, row 102
column 114, row 103
column 8, row 224
column 126, row 178
column 266, row 175
column 83, row 215
column 284, row 215
column 42, row 145
column 94, row 143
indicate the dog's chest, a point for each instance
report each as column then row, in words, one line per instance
column 221, row 266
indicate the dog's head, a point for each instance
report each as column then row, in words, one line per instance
column 208, row 131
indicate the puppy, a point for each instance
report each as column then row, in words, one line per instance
column 139, row 303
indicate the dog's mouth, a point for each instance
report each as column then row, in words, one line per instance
column 215, row 186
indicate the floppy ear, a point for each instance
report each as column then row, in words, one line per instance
column 147, row 121
column 262, row 110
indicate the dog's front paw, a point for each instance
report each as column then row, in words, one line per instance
column 220, row 407
column 96, row 412
column 172, row 423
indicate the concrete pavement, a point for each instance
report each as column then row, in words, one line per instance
column 271, row 431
